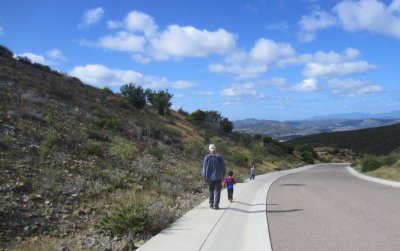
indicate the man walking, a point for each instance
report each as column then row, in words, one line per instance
column 213, row 172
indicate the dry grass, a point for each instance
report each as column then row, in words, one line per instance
column 387, row 173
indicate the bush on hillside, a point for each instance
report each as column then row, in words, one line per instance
column 161, row 100
column 135, row 94
column 226, row 125
column 370, row 163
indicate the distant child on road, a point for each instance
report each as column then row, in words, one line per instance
column 252, row 172
column 228, row 183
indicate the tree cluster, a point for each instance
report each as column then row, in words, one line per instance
column 139, row 97
column 212, row 117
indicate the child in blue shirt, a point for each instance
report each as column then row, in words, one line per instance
column 228, row 183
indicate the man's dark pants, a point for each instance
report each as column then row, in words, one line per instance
column 214, row 186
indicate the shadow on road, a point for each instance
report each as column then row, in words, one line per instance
column 284, row 211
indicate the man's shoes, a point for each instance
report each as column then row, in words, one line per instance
column 216, row 207
column 211, row 206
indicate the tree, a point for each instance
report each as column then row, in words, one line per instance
column 135, row 94
column 213, row 116
column 161, row 100
column 198, row 115
column 226, row 125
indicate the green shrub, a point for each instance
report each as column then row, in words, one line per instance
column 48, row 119
column 108, row 90
column 370, row 163
column 125, row 218
column 6, row 141
column 184, row 113
column 113, row 124
column 93, row 147
column 123, row 149
column 51, row 137
column 240, row 159
column 106, row 122
column 388, row 160
column 307, row 157
column 155, row 152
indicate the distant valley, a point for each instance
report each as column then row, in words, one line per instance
column 338, row 122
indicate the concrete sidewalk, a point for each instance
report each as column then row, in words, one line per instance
column 240, row 225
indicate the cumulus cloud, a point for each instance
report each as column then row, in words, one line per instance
column 123, row 41
column 37, row 58
column 315, row 21
column 91, row 17
column 242, row 90
column 183, row 84
column 306, row 85
column 336, row 69
column 56, row 54
column 255, row 62
column 353, row 88
column 363, row 15
column 370, row 15
column 177, row 41
column 140, row 34
column 101, row 76
column 136, row 21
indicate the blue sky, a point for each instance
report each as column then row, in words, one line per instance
column 276, row 60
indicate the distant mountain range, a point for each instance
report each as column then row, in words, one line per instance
column 359, row 115
column 336, row 122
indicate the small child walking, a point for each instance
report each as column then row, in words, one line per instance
column 252, row 172
column 228, row 183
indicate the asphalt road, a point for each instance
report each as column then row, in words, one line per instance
column 326, row 208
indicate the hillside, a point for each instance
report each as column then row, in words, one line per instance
column 380, row 140
column 292, row 129
column 81, row 168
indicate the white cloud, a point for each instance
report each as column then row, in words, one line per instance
column 252, row 64
column 123, row 41
column 277, row 82
column 1, row 31
column 140, row 34
column 306, row 85
column 353, row 88
column 100, row 75
column 55, row 54
column 336, row 69
column 242, row 90
column 177, row 41
column 141, row 58
column 183, row 84
column 91, row 17
column 36, row 58
column 241, row 70
column 204, row 93
column 136, row 21
column 370, row 15
column 266, row 50
column 315, row 21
